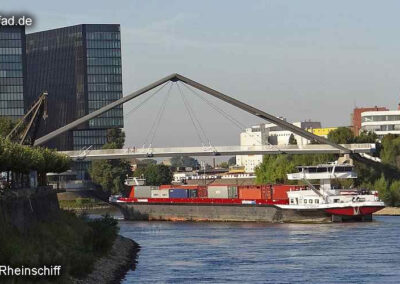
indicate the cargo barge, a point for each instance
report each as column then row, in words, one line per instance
column 261, row 203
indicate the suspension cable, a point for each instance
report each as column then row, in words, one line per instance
column 153, row 130
column 193, row 114
column 191, row 117
column 236, row 122
column 147, row 99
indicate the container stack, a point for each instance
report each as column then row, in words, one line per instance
column 244, row 192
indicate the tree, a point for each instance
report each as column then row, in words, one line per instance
column 292, row 140
column 183, row 161
column 224, row 165
column 366, row 137
column 232, row 161
column 117, row 136
column 155, row 174
column 341, row 135
column 6, row 125
column 381, row 185
column 390, row 151
column 148, row 161
column 111, row 174
column 394, row 194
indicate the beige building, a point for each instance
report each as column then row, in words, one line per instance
column 268, row 134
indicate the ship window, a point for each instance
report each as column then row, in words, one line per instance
column 305, row 201
column 335, row 200
column 291, row 201
column 310, row 201
column 316, row 201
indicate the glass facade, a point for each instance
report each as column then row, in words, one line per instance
column 104, row 76
column 80, row 67
column 12, row 71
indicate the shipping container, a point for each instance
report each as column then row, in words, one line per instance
column 280, row 190
column 222, row 191
column 202, row 192
column 186, row 186
column 165, row 186
column 160, row 193
column 233, row 191
column 178, row 193
column 217, row 191
column 192, row 193
column 142, row 191
column 249, row 193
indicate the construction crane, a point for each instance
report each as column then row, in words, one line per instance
column 26, row 129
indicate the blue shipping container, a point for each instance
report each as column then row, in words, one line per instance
column 192, row 193
column 178, row 193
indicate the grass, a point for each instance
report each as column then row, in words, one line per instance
column 74, row 242
column 81, row 203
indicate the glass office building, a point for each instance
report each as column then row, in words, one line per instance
column 80, row 68
column 12, row 71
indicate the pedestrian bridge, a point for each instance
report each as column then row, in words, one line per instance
column 90, row 155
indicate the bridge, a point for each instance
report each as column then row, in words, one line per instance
column 324, row 146
column 214, row 151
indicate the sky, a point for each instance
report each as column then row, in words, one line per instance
column 301, row 60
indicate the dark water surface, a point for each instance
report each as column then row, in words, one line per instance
column 176, row 252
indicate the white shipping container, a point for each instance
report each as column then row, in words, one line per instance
column 160, row 193
column 218, row 191
column 222, row 191
column 142, row 192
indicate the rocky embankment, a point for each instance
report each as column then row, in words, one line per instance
column 113, row 267
column 388, row 211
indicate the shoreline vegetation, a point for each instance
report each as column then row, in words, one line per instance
column 88, row 250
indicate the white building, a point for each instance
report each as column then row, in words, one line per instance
column 381, row 122
column 268, row 134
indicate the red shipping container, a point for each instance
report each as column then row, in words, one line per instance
column 195, row 186
column 280, row 190
column 202, row 192
column 249, row 193
column 166, row 186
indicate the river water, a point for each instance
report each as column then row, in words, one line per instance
column 187, row 252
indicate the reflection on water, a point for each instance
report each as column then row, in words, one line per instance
column 173, row 252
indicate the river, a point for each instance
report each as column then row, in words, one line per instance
column 187, row 252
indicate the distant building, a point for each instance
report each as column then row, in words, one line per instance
column 12, row 71
column 381, row 122
column 323, row 132
column 269, row 134
column 80, row 68
column 356, row 117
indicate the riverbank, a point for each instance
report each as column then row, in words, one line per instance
column 388, row 211
column 112, row 267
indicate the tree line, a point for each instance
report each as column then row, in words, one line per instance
column 18, row 160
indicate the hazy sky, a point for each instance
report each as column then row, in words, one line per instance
column 298, row 59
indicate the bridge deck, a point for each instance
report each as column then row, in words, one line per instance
column 215, row 151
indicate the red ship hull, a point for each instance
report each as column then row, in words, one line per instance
column 354, row 211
